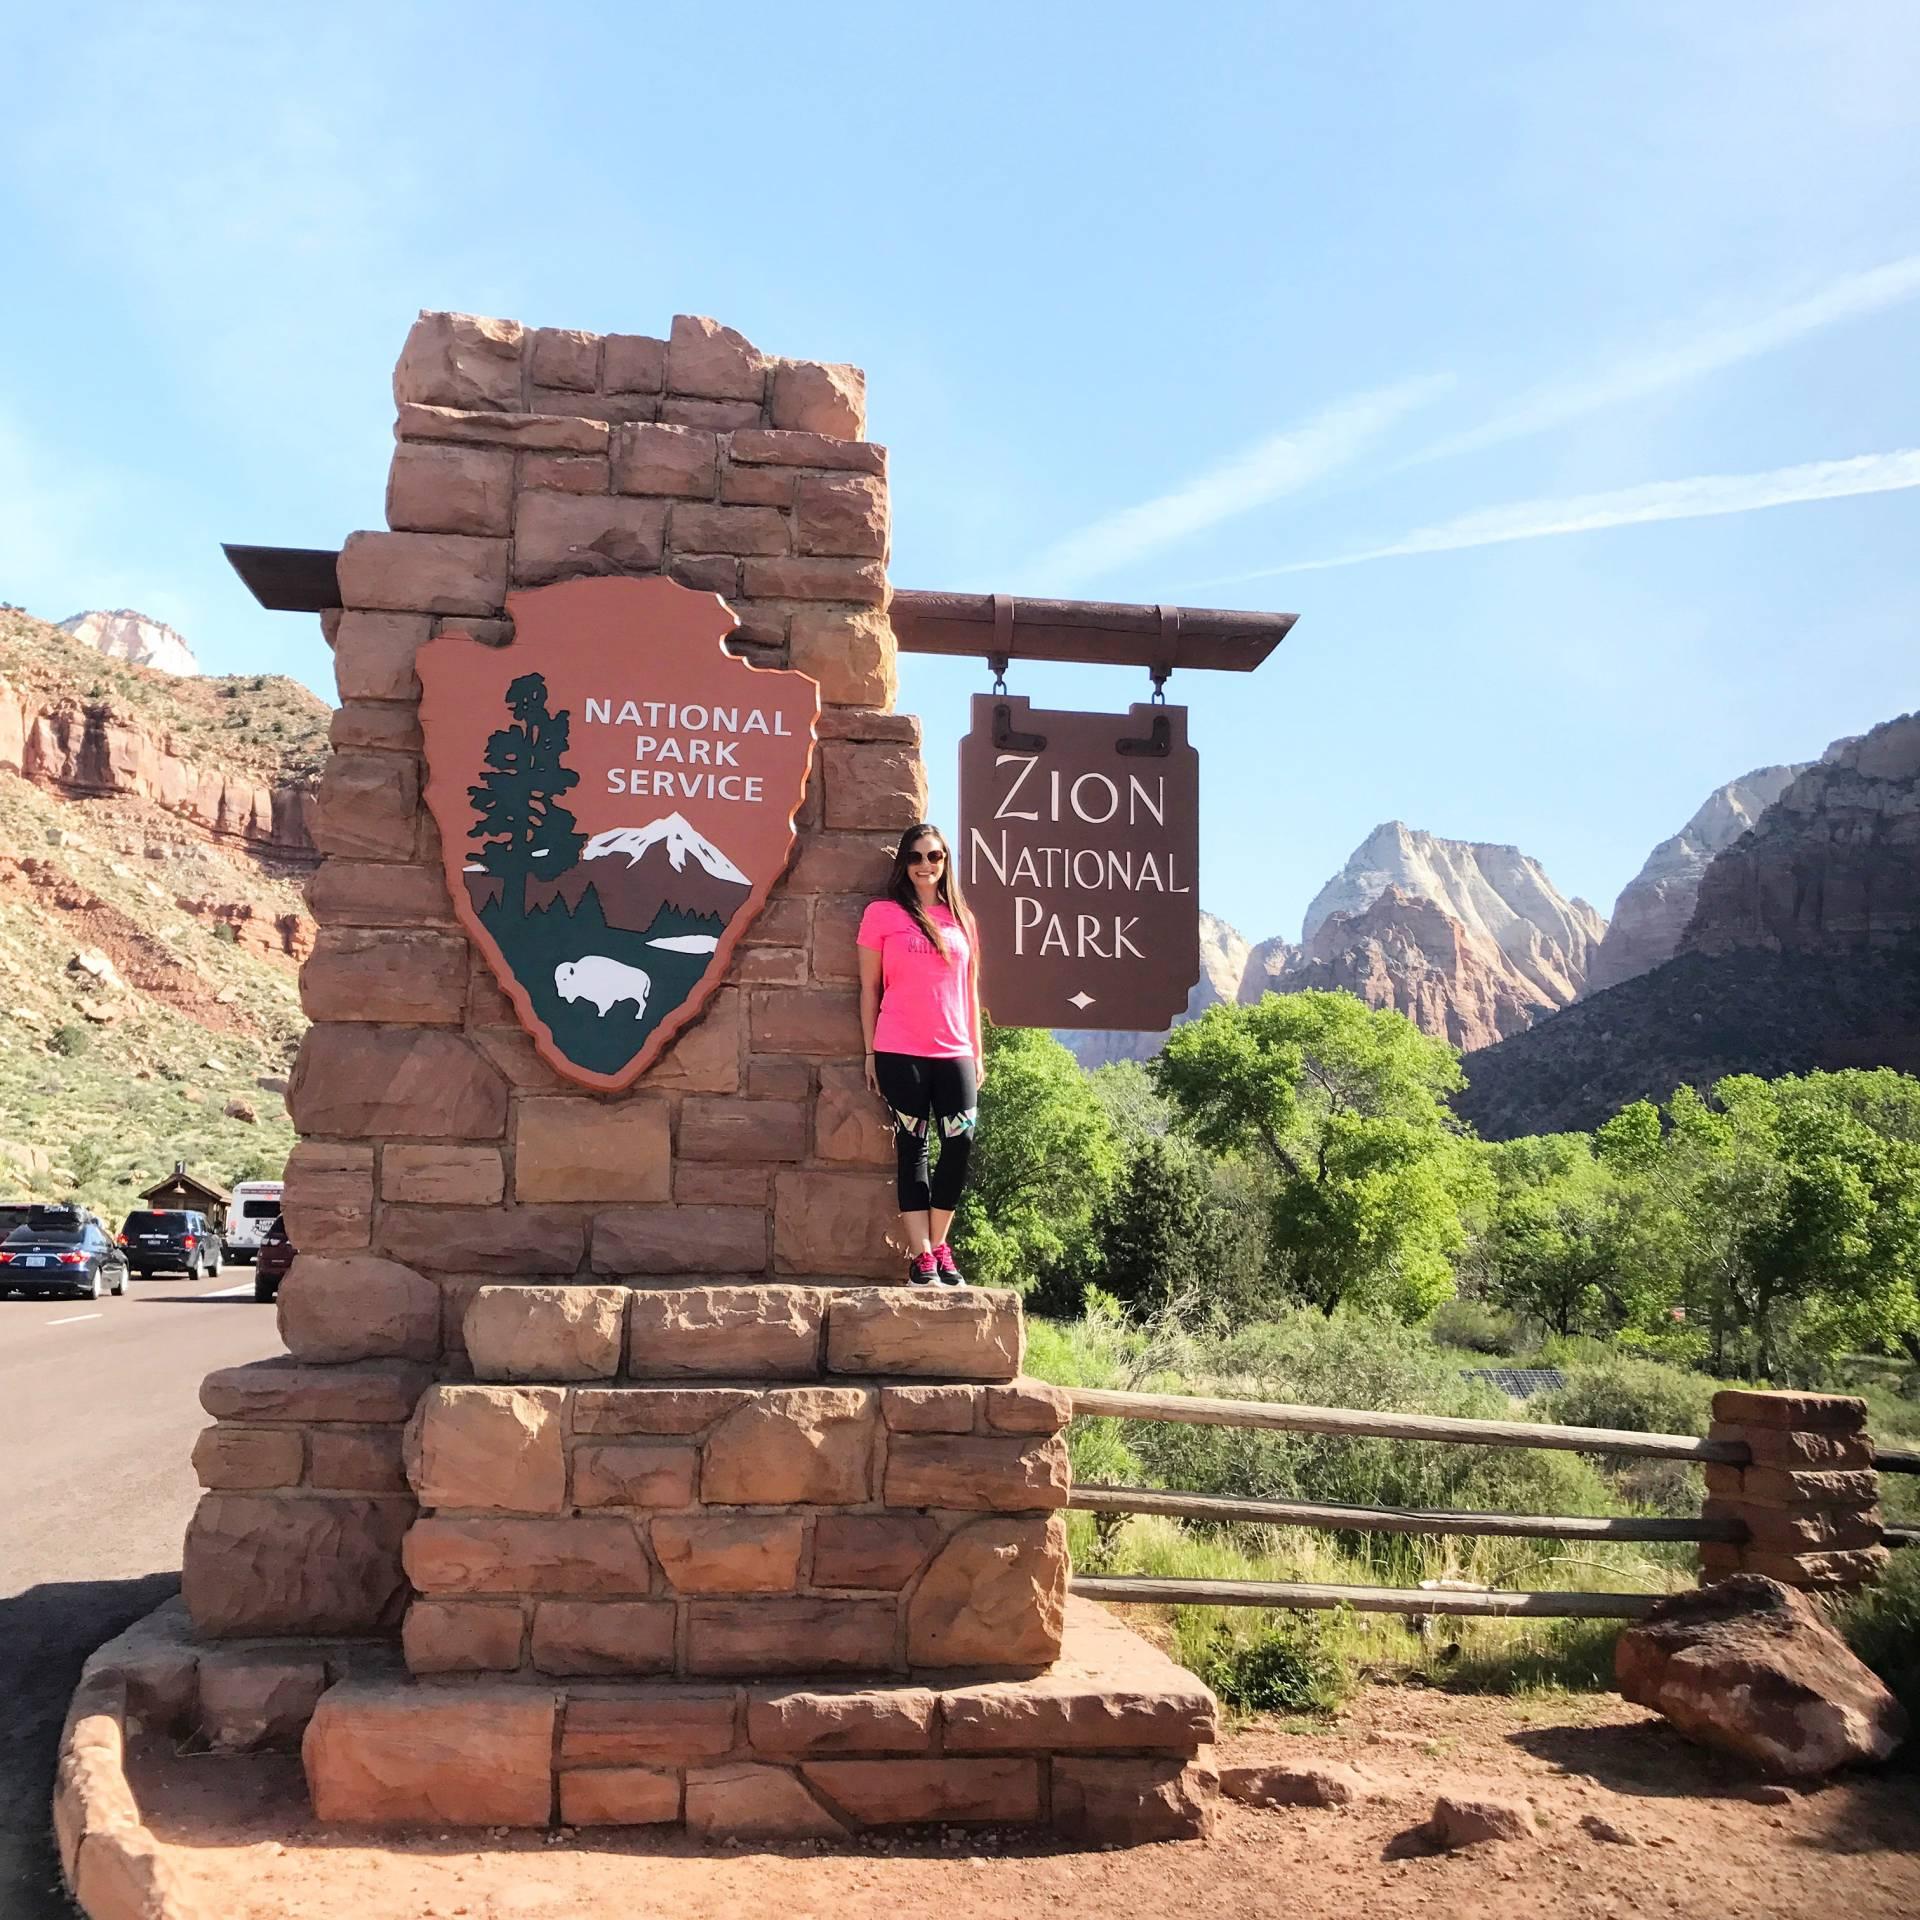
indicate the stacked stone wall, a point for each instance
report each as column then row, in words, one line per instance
column 432, row 1134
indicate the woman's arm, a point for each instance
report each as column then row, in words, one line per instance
column 870, row 1007
column 973, row 1000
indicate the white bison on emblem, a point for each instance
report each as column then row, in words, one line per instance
column 605, row 981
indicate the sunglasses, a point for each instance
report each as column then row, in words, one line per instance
column 920, row 858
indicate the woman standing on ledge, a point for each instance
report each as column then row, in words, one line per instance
column 920, row 1012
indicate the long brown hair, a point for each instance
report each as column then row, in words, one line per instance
column 900, row 888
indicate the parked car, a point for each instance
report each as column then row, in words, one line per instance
column 62, row 1250
column 171, row 1241
column 270, row 1264
column 254, row 1208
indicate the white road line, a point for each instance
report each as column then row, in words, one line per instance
column 67, row 1320
column 227, row 1293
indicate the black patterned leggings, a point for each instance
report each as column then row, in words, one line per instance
column 920, row 1092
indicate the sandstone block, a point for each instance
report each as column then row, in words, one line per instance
column 366, row 973
column 352, row 893
column 929, row 1409
column 566, row 472
column 664, row 1727
column 1801, row 1412
column 460, row 360
column 634, row 1476
column 442, row 1176
column 836, row 1223
column 243, row 1457
column 836, row 929
column 706, row 572
column 756, row 486
column 742, row 1801
column 634, row 363
column 849, row 1124
column 1127, row 1802
column 546, row 1333
column 1323, row 1784
column 706, row 1057
column 879, row 1552
column 565, row 357
column 354, row 1306
column 1466, row 1820
column 538, row 432
column 841, row 863
column 368, row 806
column 677, row 461
column 491, row 1240
column 869, row 723
column 410, row 1083
column 772, row 967
column 711, row 529
column 603, row 1636
column 799, row 577
column 262, row 1564
column 798, row 1446
column 896, row 1792
column 382, row 726
column 746, row 1130
column 812, row 396
column 561, row 536
column 383, row 1753
column 584, row 1554
column 766, row 1636
column 973, row 1334
column 1800, row 1529
column 443, row 488
column 1028, row 1406
column 423, row 573
column 784, row 1724
column 1818, row 1572
column 871, row 784
column 754, row 1333
column 1783, row 1487
column 842, row 515
column 373, row 654
column 756, row 1553
column 995, row 1595
column 1135, row 1703
column 713, row 362
column 378, row 1392
column 629, row 1240
column 125, row 1875
column 494, row 1448
column 790, row 448
column 977, row 1472
column 356, row 1460
column 1782, row 1447
column 659, row 1410
column 253, row 1701
column 619, row 1797
column 808, row 1021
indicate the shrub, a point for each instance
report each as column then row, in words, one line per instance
column 1882, row 1625
column 72, row 1040
column 227, row 931
column 1283, row 1664
column 1476, row 1326
column 1640, row 1396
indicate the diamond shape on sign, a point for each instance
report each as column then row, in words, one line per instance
column 1081, row 1000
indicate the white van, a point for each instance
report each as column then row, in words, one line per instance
column 256, row 1206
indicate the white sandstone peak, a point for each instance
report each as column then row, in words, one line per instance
column 127, row 635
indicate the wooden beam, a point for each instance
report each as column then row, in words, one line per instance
column 1402, row 1426
column 1086, row 632
column 288, row 579
column 1299, row 1513
column 1289, row 1593
column 1896, row 1460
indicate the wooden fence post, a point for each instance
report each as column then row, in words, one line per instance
column 1809, row 1496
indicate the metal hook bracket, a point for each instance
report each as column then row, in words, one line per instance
column 1160, row 740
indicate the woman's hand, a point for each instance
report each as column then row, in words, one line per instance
column 873, row 1080
column 979, row 1074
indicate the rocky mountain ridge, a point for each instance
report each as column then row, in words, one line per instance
column 126, row 635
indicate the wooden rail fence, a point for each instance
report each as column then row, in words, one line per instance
column 1277, row 1416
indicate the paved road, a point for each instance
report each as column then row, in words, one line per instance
column 99, row 1404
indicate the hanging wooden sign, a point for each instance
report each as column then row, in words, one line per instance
column 1079, row 850
column 616, row 796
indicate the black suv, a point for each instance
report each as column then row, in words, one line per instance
column 171, row 1242
column 62, row 1250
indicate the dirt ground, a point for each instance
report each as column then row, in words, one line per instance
column 238, row 1831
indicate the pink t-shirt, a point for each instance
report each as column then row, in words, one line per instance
column 926, row 997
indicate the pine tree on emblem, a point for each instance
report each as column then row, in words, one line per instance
column 522, row 829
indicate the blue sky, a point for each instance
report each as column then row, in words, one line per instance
column 1594, row 326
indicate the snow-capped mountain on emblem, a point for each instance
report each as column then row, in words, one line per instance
column 607, row 920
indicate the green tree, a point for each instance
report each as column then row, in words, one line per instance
column 1347, row 1105
column 1157, row 1227
column 523, row 830
column 1044, row 1158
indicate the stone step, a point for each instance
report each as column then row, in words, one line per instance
column 1109, row 1745
column 555, row 1334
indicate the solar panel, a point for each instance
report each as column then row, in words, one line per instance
column 1519, row 1383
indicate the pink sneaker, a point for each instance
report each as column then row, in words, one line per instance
column 923, row 1272
column 950, row 1275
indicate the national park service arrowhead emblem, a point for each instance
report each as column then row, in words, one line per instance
column 616, row 796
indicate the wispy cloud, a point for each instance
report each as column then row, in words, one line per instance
column 1281, row 464
column 1711, row 350
column 1700, row 498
